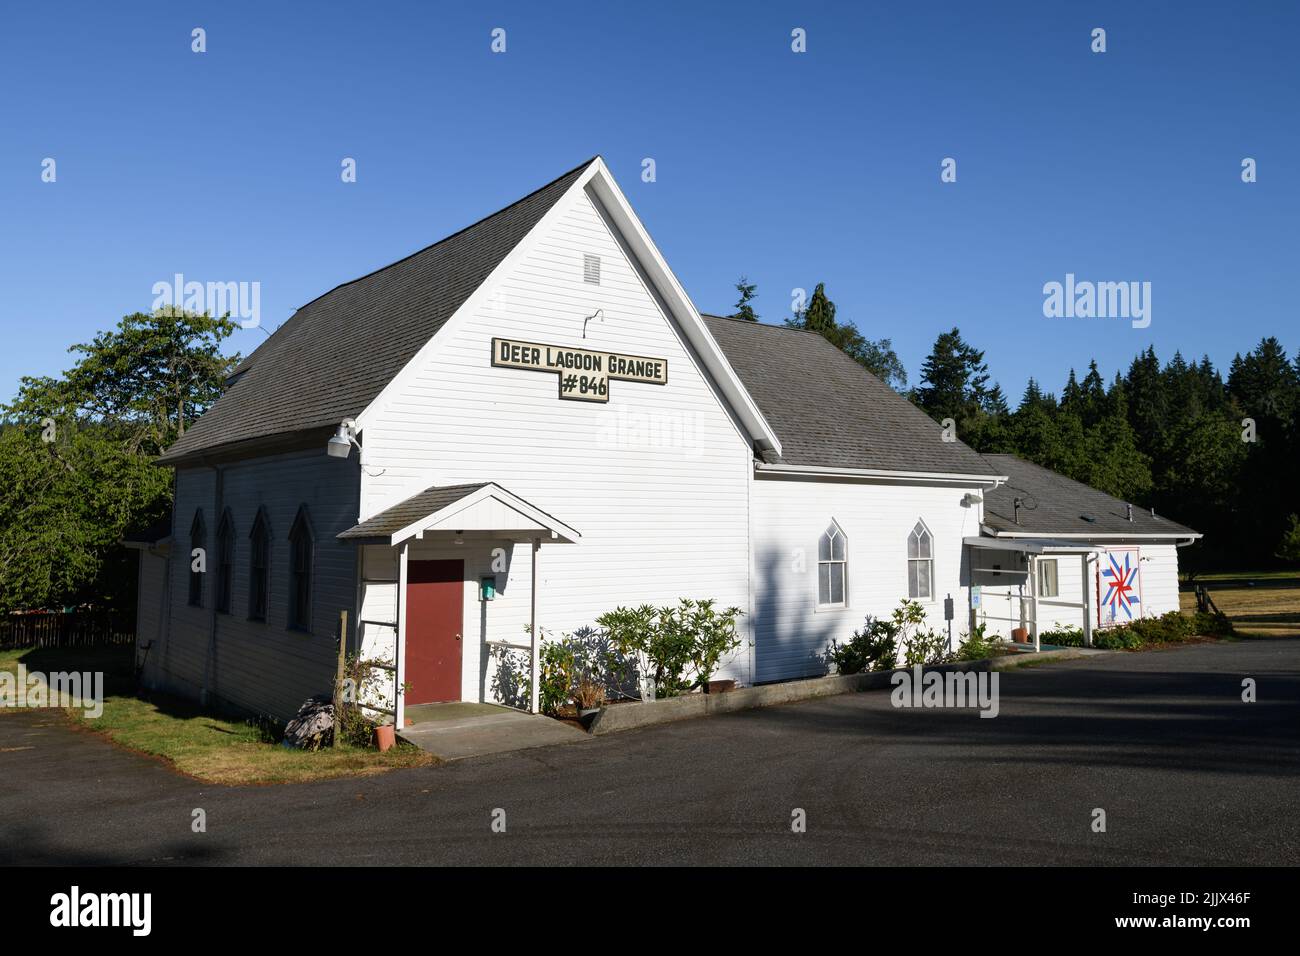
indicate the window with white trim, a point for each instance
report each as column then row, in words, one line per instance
column 832, row 568
column 1048, row 582
column 920, row 563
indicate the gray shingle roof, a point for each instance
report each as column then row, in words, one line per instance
column 828, row 410
column 405, row 513
column 335, row 354
column 1062, row 504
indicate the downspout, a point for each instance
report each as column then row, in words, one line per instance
column 534, row 667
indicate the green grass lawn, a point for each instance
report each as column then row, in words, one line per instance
column 212, row 748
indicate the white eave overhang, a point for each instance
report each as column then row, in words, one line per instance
column 1112, row 536
column 875, row 474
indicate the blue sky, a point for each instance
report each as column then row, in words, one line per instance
column 789, row 168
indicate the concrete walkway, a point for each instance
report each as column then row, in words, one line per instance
column 454, row 730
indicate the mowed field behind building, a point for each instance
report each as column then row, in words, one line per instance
column 1260, row 604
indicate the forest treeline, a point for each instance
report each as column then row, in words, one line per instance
column 1218, row 452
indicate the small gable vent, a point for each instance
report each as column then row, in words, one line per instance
column 591, row 269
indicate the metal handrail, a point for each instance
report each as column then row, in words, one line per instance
column 512, row 646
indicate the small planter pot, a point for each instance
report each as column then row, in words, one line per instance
column 1020, row 635
column 385, row 737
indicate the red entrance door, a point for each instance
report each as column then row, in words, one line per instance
column 435, row 604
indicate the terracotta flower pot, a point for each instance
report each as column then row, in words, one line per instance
column 1020, row 635
column 719, row 686
column 384, row 737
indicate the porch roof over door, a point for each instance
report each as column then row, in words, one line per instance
column 481, row 506
column 1033, row 545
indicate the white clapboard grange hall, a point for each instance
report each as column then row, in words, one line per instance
column 529, row 422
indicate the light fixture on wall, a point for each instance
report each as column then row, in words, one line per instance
column 459, row 539
column 340, row 445
column 598, row 314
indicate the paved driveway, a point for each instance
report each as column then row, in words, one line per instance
column 1186, row 772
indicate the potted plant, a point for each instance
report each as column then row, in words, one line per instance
column 1020, row 635
column 588, row 696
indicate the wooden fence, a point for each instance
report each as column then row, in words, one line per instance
column 66, row 629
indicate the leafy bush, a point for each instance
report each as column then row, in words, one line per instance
column 558, row 669
column 1172, row 628
column 1169, row 628
column 1063, row 637
column 976, row 646
column 926, row 647
column 920, row 644
column 364, row 682
column 678, row 647
column 565, row 662
column 1212, row 625
column 874, row 647
column 1116, row 639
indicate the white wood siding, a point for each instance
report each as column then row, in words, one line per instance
column 1159, row 579
column 261, row 666
column 656, row 481
column 791, row 635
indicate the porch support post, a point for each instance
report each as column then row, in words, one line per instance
column 399, row 704
column 1033, row 600
column 972, row 555
column 535, row 638
column 1087, row 601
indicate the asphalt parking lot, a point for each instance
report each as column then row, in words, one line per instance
column 1186, row 772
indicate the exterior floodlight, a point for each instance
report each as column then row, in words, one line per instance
column 341, row 444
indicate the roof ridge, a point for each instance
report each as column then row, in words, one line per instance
column 450, row 236
column 307, row 386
